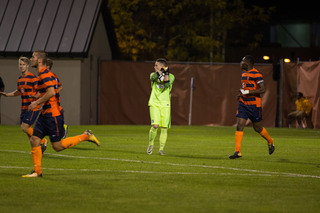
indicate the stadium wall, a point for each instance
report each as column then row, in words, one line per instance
column 125, row 90
column 69, row 75
column 301, row 77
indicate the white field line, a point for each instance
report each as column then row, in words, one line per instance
column 258, row 172
column 142, row 172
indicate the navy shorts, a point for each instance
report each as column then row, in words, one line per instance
column 28, row 117
column 49, row 126
column 249, row 111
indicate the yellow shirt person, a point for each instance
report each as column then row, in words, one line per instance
column 303, row 104
column 303, row 109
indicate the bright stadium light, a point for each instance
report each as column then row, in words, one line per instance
column 266, row 57
column 286, row 60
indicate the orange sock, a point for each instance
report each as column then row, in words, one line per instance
column 36, row 155
column 72, row 141
column 238, row 137
column 266, row 136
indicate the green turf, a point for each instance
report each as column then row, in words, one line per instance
column 195, row 176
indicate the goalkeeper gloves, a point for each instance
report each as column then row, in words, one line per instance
column 165, row 70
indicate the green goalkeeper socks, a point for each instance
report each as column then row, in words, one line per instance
column 163, row 138
column 152, row 135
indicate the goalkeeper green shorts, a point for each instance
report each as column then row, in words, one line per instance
column 160, row 116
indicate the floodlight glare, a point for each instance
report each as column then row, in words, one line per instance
column 266, row 57
column 286, row 60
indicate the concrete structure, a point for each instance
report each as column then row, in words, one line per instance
column 77, row 67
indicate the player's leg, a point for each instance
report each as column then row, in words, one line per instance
column 242, row 118
column 36, row 152
column 27, row 119
column 255, row 115
column 25, row 128
column 69, row 142
column 155, row 118
column 163, row 140
column 264, row 133
column 241, row 122
column 165, row 123
column 57, row 132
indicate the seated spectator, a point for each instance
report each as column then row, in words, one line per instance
column 303, row 109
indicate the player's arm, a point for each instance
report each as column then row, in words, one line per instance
column 166, row 80
column 10, row 94
column 50, row 92
column 260, row 90
column 154, row 76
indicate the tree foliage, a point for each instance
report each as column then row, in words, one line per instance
column 179, row 30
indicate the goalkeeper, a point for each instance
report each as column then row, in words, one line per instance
column 160, row 104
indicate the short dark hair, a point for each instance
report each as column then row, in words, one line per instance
column 250, row 59
column 43, row 55
column 49, row 63
column 300, row 94
column 162, row 61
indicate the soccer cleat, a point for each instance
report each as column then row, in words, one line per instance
column 149, row 150
column 66, row 129
column 92, row 138
column 235, row 155
column 271, row 148
column 33, row 174
column 44, row 145
column 161, row 152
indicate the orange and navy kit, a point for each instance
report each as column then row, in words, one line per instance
column 46, row 80
column 51, row 120
column 250, row 104
column 27, row 86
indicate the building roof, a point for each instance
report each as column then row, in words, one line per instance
column 60, row 27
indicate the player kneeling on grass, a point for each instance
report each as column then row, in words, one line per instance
column 160, row 104
column 50, row 122
column 250, row 104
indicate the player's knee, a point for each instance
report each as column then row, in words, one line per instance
column 240, row 127
column 35, row 141
column 57, row 146
column 156, row 126
column 24, row 128
column 258, row 129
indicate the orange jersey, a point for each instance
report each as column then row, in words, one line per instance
column 250, row 80
column 46, row 79
column 27, row 86
column 58, row 84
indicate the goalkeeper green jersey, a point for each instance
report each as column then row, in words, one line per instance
column 161, row 92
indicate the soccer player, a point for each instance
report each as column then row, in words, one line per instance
column 58, row 88
column 252, row 85
column 50, row 121
column 27, row 89
column 160, row 104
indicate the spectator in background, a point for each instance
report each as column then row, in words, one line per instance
column 303, row 109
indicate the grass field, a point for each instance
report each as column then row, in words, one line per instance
column 195, row 176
